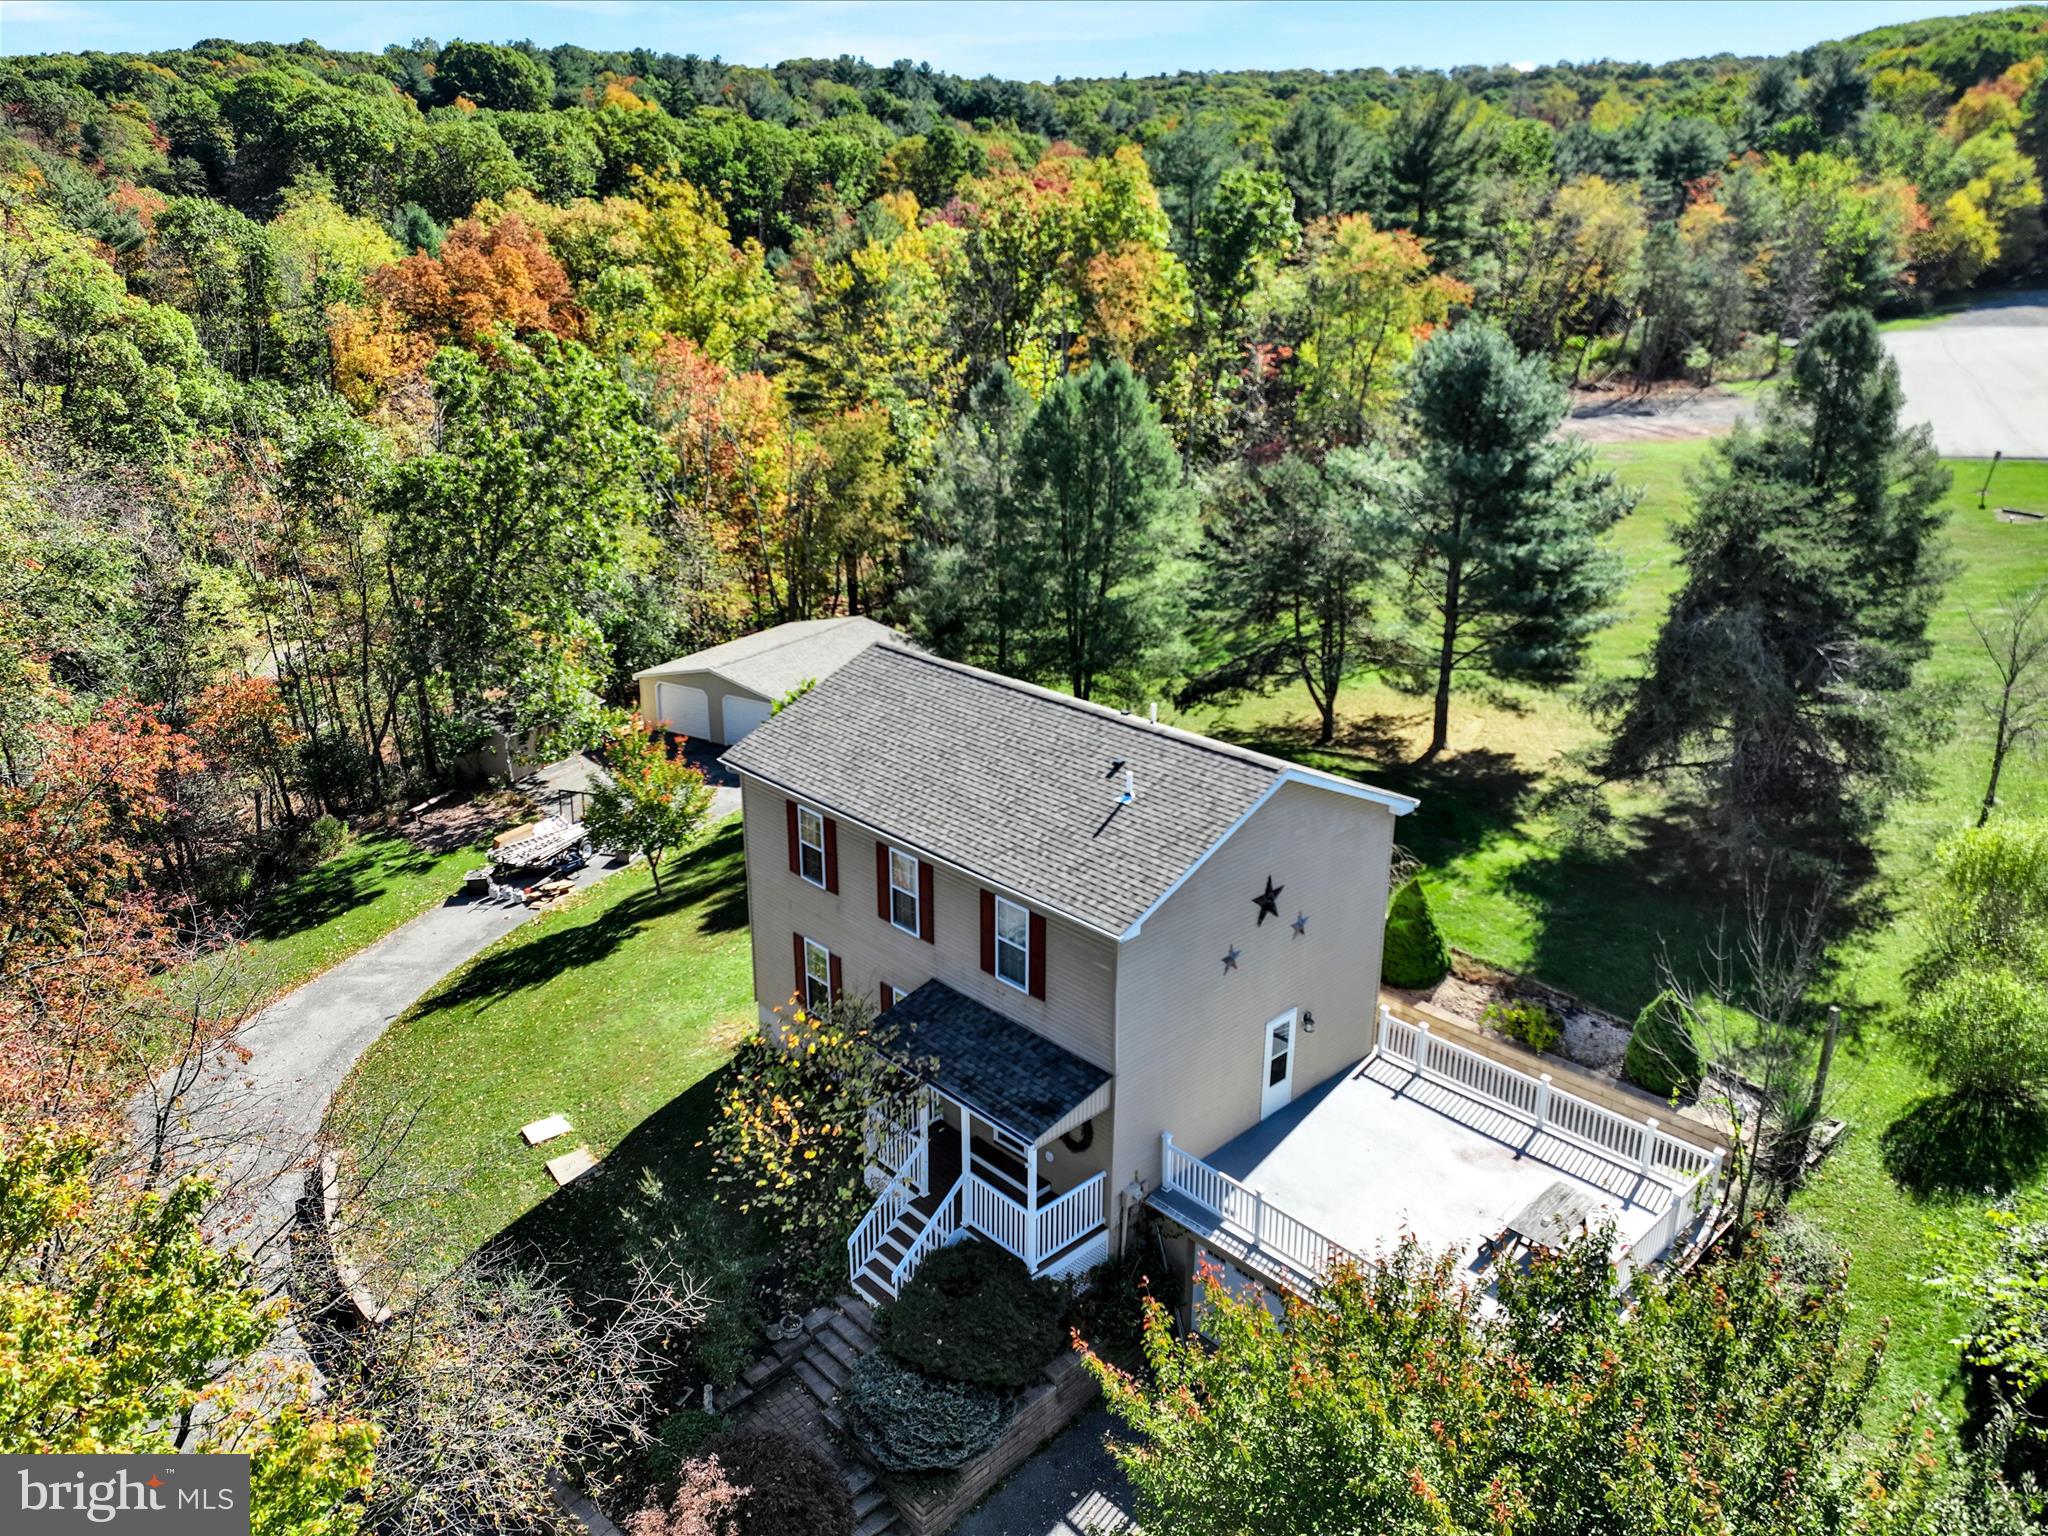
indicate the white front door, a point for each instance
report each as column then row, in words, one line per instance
column 1279, row 1083
column 683, row 709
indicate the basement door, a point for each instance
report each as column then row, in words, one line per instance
column 1279, row 1084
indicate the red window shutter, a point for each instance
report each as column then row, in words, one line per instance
column 988, row 932
column 795, row 859
column 927, row 917
column 888, row 997
column 832, row 966
column 798, row 940
column 882, row 881
column 831, row 855
column 1037, row 955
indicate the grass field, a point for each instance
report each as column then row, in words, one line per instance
column 318, row 919
column 1511, row 890
column 616, row 1010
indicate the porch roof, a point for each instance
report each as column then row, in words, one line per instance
column 997, row 1067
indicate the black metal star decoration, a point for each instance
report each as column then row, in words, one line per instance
column 1268, row 901
column 1230, row 960
column 1300, row 925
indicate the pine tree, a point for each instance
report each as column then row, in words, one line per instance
column 1105, row 513
column 1333, row 166
column 1290, row 562
column 1502, row 520
column 971, row 569
column 1780, row 688
column 1433, row 157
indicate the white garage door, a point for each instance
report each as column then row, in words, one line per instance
column 743, row 715
column 683, row 709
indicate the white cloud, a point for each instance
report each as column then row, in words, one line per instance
column 1523, row 67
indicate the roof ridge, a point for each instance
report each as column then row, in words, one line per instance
column 1124, row 717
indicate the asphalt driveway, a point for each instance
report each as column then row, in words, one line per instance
column 1980, row 378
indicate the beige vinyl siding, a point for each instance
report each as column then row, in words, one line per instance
column 1080, row 987
column 1190, row 1036
column 716, row 690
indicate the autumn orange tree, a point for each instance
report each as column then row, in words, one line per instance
column 486, row 276
column 81, row 931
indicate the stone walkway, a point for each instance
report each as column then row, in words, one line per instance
column 796, row 1390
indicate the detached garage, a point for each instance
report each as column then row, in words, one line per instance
column 720, row 694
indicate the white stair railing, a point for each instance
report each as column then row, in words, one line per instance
column 887, row 1210
column 944, row 1222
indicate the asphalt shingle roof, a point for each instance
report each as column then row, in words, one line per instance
column 1004, row 1070
column 772, row 661
column 1013, row 783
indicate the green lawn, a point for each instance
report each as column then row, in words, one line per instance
column 320, row 918
column 617, row 1011
column 1598, row 922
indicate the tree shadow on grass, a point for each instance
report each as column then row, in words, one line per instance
column 329, row 891
column 710, row 878
column 1950, row 1144
column 648, row 1184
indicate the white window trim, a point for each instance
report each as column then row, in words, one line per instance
column 1023, row 949
column 804, row 846
column 812, row 946
column 1011, row 1143
column 916, row 926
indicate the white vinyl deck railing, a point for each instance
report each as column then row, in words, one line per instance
column 1688, row 1173
column 1264, row 1225
column 1642, row 1144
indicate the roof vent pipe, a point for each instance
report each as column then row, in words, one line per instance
column 1153, row 710
column 1130, row 787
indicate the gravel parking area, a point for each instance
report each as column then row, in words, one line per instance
column 1980, row 378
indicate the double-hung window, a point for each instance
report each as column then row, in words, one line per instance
column 817, row 977
column 1013, row 944
column 903, row 892
column 810, row 842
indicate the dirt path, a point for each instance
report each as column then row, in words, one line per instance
column 1658, row 416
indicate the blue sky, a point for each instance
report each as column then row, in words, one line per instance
column 1030, row 40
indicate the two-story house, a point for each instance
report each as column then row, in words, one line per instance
column 1110, row 946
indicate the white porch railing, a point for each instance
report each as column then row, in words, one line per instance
column 944, row 1222
column 996, row 1216
column 894, row 1146
column 1071, row 1217
column 1653, row 1152
column 866, row 1241
column 1267, row 1227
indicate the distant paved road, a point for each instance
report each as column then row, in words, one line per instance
column 1980, row 378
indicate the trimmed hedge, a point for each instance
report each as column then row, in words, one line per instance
column 1415, row 956
column 973, row 1313
column 917, row 1423
column 1662, row 1054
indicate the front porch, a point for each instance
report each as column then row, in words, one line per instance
column 999, row 1142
